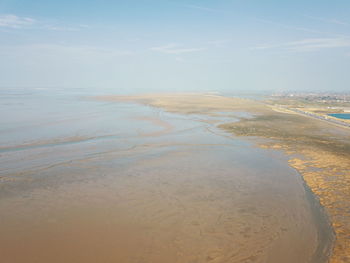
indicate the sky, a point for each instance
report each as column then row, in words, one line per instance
column 176, row 45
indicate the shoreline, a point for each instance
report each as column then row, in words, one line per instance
column 326, row 235
column 326, row 232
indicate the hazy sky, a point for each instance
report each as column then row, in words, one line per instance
column 177, row 45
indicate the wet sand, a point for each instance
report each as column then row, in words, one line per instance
column 176, row 189
column 320, row 151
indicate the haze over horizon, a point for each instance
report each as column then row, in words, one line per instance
column 146, row 46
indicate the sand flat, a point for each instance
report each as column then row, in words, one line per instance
column 187, row 193
column 182, row 206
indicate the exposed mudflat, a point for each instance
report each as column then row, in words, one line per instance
column 151, row 186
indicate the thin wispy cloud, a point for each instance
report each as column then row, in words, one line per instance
column 204, row 8
column 99, row 51
column 71, row 50
column 328, row 20
column 299, row 28
column 63, row 28
column 309, row 44
column 175, row 49
column 13, row 21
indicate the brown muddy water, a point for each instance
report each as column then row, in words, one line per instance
column 87, row 181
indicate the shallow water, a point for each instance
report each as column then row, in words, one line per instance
column 345, row 116
column 87, row 181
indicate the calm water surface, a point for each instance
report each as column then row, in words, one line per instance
column 345, row 116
